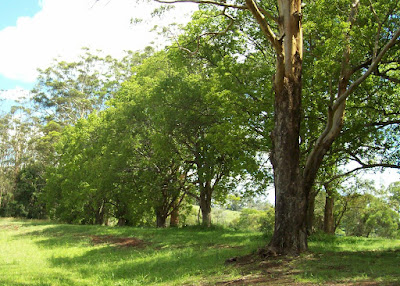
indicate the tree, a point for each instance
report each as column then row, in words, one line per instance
column 184, row 104
column 368, row 214
column 394, row 195
column 295, row 172
column 68, row 91
column 28, row 190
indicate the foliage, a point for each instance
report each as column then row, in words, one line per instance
column 255, row 220
column 68, row 91
column 370, row 216
column 27, row 195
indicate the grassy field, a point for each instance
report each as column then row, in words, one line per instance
column 45, row 253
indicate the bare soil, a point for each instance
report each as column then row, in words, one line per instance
column 9, row 227
column 117, row 241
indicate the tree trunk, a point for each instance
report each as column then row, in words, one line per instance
column 161, row 220
column 174, row 220
column 290, row 233
column 121, row 221
column 329, row 221
column 310, row 212
column 99, row 216
column 205, row 204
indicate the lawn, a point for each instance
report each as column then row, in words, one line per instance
column 46, row 253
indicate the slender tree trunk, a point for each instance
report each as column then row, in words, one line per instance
column 310, row 212
column 161, row 219
column 174, row 220
column 205, row 204
column 121, row 221
column 329, row 221
column 99, row 216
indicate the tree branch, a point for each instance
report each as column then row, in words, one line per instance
column 192, row 53
column 265, row 28
column 217, row 3
column 371, row 68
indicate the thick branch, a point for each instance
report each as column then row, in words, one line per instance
column 371, row 68
column 265, row 28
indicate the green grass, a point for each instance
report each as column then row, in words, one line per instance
column 42, row 253
column 46, row 253
column 351, row 260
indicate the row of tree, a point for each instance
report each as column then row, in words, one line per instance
column 132, row 138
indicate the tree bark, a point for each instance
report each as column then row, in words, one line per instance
column 205, row 203
column 99, row 215
column 329, row 221
column 121, row 221
column 290, row 233
column 161, row 219
column 310, row 212
column 174, row 220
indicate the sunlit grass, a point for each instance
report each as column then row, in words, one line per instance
column 46, row 253
column 351, row 260
column 38, row 253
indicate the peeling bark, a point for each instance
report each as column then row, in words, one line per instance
column 290, row 233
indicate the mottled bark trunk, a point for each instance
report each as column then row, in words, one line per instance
column 205, row 204
column 329, row 220
column 290, row 233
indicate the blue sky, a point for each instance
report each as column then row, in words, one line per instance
column 35, row 32
column 10, row 11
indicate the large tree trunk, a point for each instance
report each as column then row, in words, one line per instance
column 290, row 233
column 205, row 204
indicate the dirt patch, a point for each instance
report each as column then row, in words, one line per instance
column 9, row 227
column 117, row 241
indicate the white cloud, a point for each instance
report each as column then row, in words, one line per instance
column 63, row 27
column 15, row 94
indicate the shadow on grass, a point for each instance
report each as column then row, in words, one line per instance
column 145, row 267
column 369, row 266
column 168, row 255
column 49, row 280
column 57, row 235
